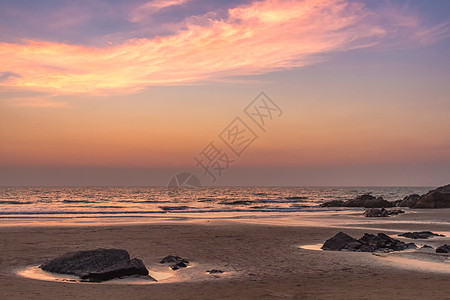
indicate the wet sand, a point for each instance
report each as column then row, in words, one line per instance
column 260, row 260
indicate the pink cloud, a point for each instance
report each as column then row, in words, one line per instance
column 254, row 39
column 146, row 10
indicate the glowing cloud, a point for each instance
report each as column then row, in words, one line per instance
column 253, row 39
column 7, row 75
column 151, row 7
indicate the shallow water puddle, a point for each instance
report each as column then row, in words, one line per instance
column 34, row 272
column 312, row 247
column 417, row 264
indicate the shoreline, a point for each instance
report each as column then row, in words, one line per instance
column 262, row 260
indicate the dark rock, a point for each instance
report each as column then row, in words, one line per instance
column 409, row 201
column 384, row 242
column 366, row 201
column 396, row 203
column 443, row 189
column 133, row 267
column 333, row 203
column 427, row 247
column 381, row 212
column 173, row 259
column 411, row 246
column 353, row 246
column 176, row 261
column 437, row 198
column 214, row 271
column 178, row 266
column 367, row 243
column 338, row 242
column 96, row 265
column 443, row 249
column 395, row 211
column 376, row 212
column 419, row 234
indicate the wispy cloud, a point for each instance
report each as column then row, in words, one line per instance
column 7, row 75
column 428, row 36
column 146, row 10
column 261, row 37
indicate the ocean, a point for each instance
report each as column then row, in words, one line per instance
column 135, row 202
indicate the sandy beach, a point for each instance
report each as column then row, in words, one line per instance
column 259, row 260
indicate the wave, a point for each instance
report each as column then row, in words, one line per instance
column 78, row 201
column 170, row 208
column 176, row 211
column 296, row 198
column 14, row 202
column 236, row 202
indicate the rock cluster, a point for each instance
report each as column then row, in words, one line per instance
column 97, row 265
column 366, row 200
column 381, row 212
column 175, row 261
column 367, row 243
column 419, row 234
column 376, row 212
column 437, row 198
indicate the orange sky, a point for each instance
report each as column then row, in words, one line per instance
column 359, row 84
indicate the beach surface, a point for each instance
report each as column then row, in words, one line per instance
column 268, row 258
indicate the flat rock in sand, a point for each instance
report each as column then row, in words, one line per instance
column 97, row 265
column 367, row 243
column 176, row 261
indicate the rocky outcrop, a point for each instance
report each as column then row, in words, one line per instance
column 97, row 265
column 381, row 212
column 367, row 243
column 438, row 198
column 376, row 212
column 419, row 234
column 338, row 242
column 175, row 261
column 409, row 201
column 443, row 249
column 366, row 201
column 382, row 241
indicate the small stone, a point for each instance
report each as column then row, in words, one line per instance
column 173, row 259
column 338, row 242
column 214, row 271
column 179, row 266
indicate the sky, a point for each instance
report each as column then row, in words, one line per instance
column 355, row 93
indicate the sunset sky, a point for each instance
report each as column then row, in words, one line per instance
column 129, row 92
